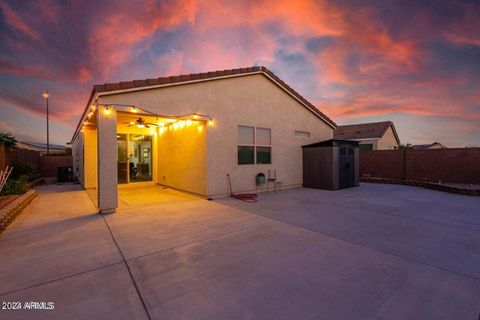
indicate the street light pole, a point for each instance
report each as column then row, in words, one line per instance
column 45, row 95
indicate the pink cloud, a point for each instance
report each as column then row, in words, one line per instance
column 17, row 22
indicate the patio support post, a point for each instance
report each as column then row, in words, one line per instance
column 107, row 161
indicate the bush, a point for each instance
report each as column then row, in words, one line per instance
column 8, row 140
column 15, row 186
column 27, row 170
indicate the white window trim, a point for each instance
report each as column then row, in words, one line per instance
column 255, row 145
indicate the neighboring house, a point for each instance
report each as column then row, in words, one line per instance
column 371, row 136
column 188, row 132
column 42, row 147
column 435, row 145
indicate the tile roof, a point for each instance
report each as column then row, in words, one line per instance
column 208, row 76
column 364, row 130
column 428, row 146
column 41, row 145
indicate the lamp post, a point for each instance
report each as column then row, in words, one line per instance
column 45, row 95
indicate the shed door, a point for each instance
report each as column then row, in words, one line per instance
column 346, row 166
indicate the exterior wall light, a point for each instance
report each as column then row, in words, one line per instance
column 134, row 109
column 107, row 111
column 210, row 122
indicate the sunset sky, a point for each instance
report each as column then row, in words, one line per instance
column 416, row 63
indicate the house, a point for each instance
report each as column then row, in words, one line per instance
column 188, row 132
column 371, row 136
column 435, row 145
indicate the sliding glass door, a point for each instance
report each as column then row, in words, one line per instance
column 122, row 162
column 134, row 158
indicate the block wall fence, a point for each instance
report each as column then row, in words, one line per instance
column 456, row 165
column 46, row 165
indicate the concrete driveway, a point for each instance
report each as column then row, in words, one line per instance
column 374, row 252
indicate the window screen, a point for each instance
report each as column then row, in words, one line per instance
column 246, row 135
column 263, row 137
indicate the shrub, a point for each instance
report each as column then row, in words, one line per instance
column 27, row 170
column 8, row 140
column 18, row 186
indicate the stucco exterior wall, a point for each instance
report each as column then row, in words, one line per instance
column 90, row 158
column 78, row 161
column 182, row 161
column 251, row 100
column 388, row 141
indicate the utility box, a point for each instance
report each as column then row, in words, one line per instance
column 331, row 165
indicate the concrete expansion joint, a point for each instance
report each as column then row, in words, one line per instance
column 128, row 269
column 58, row 279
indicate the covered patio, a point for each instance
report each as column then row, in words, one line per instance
column 122, row 146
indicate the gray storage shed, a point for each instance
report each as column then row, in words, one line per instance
column 331, row 164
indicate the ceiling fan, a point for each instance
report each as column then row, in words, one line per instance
column 140, row 123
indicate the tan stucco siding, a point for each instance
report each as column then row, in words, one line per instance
column 182, row 159
column 256, row 101
column 78, row 160
column 251, row 100
column 388, row 141
column 90, row 159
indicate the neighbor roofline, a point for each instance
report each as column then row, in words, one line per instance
column 101, row 90
column 390, row 125
column 394, row 132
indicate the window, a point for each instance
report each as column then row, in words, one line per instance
column 254, row 145
column 302, row 134
column 365, row 146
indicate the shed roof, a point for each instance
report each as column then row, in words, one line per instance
column 330, row 143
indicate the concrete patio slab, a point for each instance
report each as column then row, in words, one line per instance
column 278, row 271
column 105, row 293
column 373, row 252
column 176, row 219
column 56, row 236
column 413, row 223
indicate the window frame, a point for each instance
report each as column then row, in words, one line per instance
column 254, row 145
column 301, row 134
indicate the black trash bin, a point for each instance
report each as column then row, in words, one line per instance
column 64, row 174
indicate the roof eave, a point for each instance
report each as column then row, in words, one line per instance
column 256, row 70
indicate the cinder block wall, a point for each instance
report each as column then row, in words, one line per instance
column 457, row 165
column 47, row 166
column 382, row 163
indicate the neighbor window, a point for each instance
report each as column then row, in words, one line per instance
column 254, row 145
column 365, row 146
